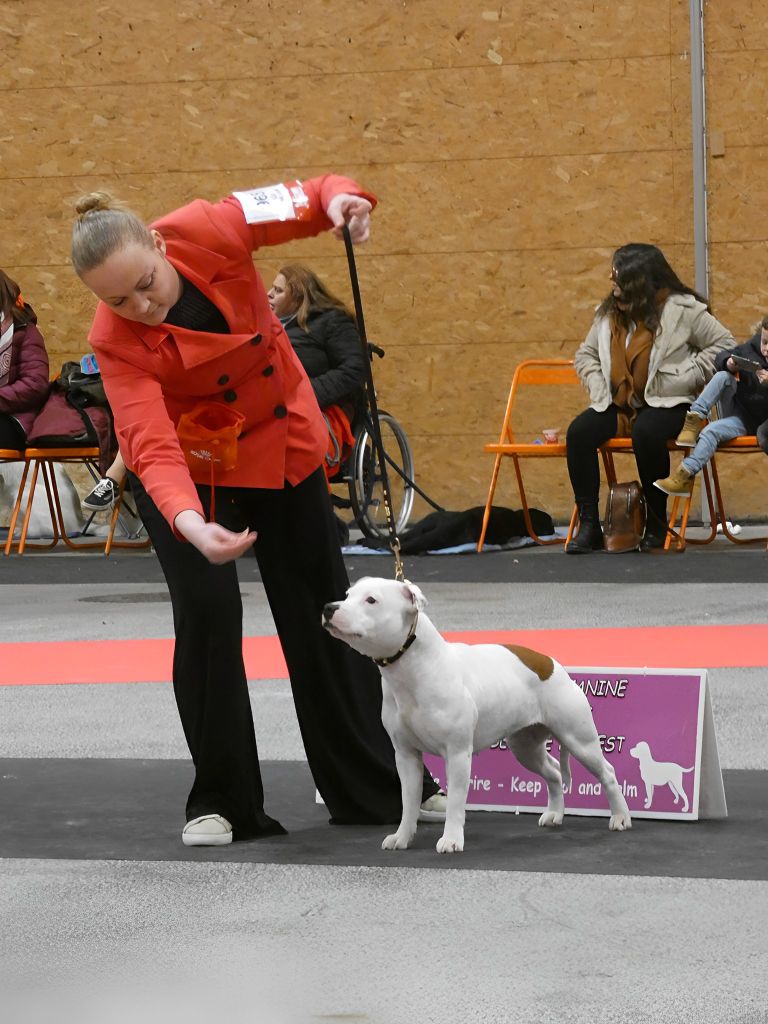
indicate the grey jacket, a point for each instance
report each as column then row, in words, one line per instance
column 682, row 358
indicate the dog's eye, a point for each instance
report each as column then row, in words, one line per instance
column 370, row 600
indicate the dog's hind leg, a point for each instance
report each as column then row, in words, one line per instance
column 529, row 747
column 678, row 791
column 570, row 718
column 410, row 768
column 584, row 744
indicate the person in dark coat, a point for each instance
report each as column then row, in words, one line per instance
column 324, row 336
column 24, row 381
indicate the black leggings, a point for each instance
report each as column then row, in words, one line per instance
column 337, row 692
column 11, row 433
column 651, row 430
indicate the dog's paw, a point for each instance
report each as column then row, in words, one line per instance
column 397, row 841
column 450, row 844
column 551, row 819
column 620, row 822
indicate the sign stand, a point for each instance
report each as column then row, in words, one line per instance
column 711, row 793
column 657, row 730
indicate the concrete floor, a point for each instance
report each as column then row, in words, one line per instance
column 112, row 940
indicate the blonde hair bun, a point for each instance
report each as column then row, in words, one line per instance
column 96, row 201
column 103, row 225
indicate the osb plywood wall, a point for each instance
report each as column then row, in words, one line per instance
column 512, row 147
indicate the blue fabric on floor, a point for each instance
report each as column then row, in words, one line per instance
column 459, row 549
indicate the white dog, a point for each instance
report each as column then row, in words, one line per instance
column 451, row 699
column 660, row 773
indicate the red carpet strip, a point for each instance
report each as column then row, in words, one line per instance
column 149, row 661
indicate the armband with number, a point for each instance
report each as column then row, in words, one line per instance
column 286, row 201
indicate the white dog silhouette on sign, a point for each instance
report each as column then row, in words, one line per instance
column 660, row 773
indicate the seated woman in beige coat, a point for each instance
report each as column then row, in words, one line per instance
column 650, row 350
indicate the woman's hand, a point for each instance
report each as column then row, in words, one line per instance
column 730, row 366
column 217, row 543
column 353, row 211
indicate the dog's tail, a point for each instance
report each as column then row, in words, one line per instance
column 565, row 765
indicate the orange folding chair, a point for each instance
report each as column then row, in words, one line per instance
column 41, row 462
column 746, row 445
column 518, row 441
column 537, row 385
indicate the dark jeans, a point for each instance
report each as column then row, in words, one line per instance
column 337, row 692
column 651, row 430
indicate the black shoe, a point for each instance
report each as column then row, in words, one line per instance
column 653, row 542
column 589, row 538
column 102, row 497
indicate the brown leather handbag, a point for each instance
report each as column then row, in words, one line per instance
column 625, row 515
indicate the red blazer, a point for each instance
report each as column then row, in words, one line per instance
column 153, row 375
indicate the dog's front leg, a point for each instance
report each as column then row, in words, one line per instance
column 649, row 787
column 458, row 767
column 410, row 768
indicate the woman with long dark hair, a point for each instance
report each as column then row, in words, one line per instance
column 649, row 352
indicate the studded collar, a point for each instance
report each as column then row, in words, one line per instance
column 406, row 644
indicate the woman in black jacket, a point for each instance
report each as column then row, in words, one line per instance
column 325, row 338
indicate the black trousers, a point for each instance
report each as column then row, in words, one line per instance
column 11, row 433
column 337, row 692
column 651, row 430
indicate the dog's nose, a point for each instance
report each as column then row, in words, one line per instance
column 328, row 611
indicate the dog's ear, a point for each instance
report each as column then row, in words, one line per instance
column 415, row 596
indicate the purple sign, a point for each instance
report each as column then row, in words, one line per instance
column 650, row 724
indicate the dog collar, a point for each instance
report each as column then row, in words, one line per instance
column 398, row 654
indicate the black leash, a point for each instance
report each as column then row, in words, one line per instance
column 394, row 541
column 404, row 476
column 662, row 526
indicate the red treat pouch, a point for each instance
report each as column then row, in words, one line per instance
column 208, row 437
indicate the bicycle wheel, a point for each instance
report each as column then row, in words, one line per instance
column 366, row 490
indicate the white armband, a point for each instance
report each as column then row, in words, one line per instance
column 274, row 203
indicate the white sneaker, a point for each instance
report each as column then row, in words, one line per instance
column 434, row 808
column 207, row 830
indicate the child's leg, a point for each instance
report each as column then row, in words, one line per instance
column 714, row 434
column 722, row 389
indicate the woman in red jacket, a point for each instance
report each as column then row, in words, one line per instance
column 184, row 322
column 23, row 366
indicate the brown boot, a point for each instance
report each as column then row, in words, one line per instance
column 680, row 482
column 692, row 427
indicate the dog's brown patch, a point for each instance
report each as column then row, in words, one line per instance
column 541, row 664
